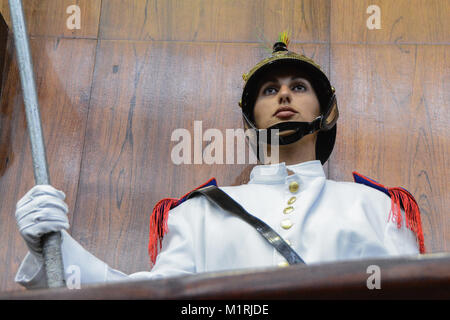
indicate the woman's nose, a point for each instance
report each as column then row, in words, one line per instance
column 284, row 95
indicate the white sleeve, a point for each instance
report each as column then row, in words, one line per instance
column 400, row 241
column 77, row 262
column 176, row 258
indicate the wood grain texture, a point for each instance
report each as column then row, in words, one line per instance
column 402, row 21
column 394, row 124
column 49, row 17
column 142, row 92
column 63, row 73
column 214, row 20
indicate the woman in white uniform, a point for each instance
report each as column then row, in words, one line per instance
column 322, row 220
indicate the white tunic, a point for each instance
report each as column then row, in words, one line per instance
column 330, row 221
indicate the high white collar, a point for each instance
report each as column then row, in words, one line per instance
column 277, row 173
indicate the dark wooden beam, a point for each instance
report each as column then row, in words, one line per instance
column 425, row 277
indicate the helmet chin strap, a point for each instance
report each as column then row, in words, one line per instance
column 299, row 130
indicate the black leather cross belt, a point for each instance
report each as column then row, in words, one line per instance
column 224, row 201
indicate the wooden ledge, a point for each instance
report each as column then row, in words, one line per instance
column 413, row 277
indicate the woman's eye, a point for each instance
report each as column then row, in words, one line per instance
column 299, row 87
column 270, row 90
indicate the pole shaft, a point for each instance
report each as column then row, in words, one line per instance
column 52, row 241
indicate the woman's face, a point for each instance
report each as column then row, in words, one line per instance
column 285, row 96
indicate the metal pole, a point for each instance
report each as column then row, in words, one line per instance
column 52, row 241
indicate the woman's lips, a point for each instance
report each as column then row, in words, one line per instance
column 285, row 114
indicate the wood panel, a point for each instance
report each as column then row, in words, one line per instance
column 63, row 72
column 214, row 20
column 142, row 92
column 394, row 124
column 49, row 17
column 402, row 21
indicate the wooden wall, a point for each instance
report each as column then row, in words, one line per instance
column 112, row 92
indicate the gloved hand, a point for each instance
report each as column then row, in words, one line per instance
column 41, row 210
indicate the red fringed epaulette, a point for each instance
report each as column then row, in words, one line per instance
column 159, row 217
column 400, row 198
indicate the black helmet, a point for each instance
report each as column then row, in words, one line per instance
column 325, row 123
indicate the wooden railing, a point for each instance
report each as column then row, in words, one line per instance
column 422, row 277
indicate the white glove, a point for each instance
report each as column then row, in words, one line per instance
column 41, row 210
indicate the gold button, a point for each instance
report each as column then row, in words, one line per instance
column 293, row 187
column 288, row 210
column 286, row 224
column 292, row 200
column 288, row 242
column 283, row 264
